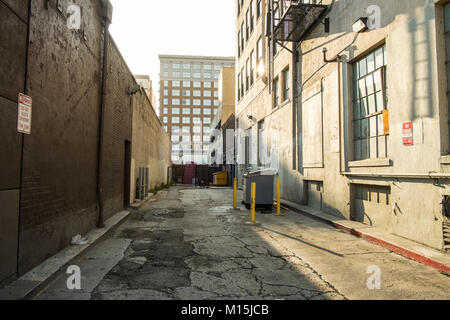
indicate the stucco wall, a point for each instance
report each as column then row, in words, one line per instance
column 414, row 42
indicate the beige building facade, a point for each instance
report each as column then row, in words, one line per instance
column 360, row 131
column 221, row 149
column 189, row 102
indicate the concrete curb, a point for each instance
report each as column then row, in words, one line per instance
column 375, row 239
column 35, row 281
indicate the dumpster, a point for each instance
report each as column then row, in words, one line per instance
column 264, row 180
column 220, row 179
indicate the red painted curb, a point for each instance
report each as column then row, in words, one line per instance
column 397, row 249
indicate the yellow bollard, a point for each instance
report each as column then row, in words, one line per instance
column 235, row 193
column 278, row 198
column 253, row 208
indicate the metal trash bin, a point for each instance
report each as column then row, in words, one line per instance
column 264, row 180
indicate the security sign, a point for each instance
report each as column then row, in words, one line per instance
column 24, row 114
column 407, row 134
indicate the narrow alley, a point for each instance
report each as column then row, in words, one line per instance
column 188, row 243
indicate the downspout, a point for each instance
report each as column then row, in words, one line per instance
column 100, row 222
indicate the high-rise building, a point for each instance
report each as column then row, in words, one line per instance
column 189, row 103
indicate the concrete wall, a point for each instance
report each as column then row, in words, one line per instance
column 412, row 33
column 151, row 144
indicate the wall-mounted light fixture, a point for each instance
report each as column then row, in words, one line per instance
column 360, row 25
column 134, row 90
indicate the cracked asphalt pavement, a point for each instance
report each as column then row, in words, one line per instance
column 189, row 244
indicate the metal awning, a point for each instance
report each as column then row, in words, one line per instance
column 297, row 19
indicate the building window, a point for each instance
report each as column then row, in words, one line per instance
column 186, row 93
column 216, row 103
column 176, row 102
column 186, row 84
column 176, row 66
column 186, row 74
column 186, row 129
column 206, row 120
column 197, row 93
column 216, row 84
column 175, row 129
column 175, row 138
column 186, row 102
column 197, row 84
column 259, row 53
column 370, row 106
column 176, row 93
column 239, row 43
column 166, row 101
column 176, row 74
column 207, row 67
column 207, row 111
column 207, row 103
column 247, row 25
column 175, row 110
column 186, row 120
column 258, row 9
column 252, row 67
column 196, row 111
column 286, row 86
column 242, row 36
column 242, row 82
column 207, row 93
column 207, row 84
column 186, row 111
column 176, row 83
column 196, row 129
column 186, row 66
column 276, row 93
column 252, row 15
column 239, row 86
column 207, row 75
column 166, row 83
column 175, row 120
column 166, row 92
column 247, row 74
column 197, row 102
column 165, row 120
column 165, row 110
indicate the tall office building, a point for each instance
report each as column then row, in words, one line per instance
column 189, row 103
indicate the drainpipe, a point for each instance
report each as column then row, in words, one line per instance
column 338, row 60
column 106, row 23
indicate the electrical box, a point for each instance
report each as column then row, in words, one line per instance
column 107, row 10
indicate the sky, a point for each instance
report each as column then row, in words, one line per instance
column 143, row 29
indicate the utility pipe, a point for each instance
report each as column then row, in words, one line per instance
column 101, row 223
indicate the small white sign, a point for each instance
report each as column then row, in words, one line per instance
column 24, row 114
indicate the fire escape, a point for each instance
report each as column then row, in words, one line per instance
column 292, row 20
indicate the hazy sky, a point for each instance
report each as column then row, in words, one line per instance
column 143, row 29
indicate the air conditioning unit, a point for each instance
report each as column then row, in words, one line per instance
column 107, row 10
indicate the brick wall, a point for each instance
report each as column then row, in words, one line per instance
column 59, row 168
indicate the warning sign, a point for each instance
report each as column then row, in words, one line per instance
column 407, row 134
column 24, row 114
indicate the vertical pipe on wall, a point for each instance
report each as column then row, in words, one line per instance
column 100, row 223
